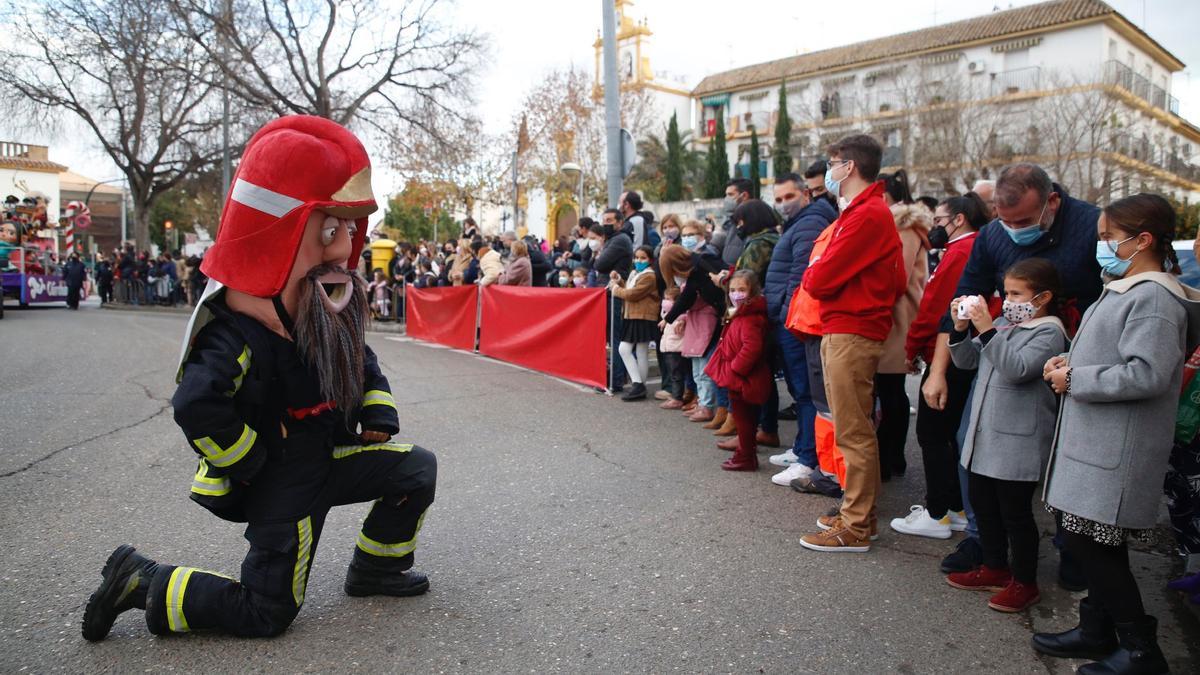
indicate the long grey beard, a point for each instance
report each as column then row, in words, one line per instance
column 334, row 344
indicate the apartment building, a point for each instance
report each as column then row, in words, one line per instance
column 1070, row 84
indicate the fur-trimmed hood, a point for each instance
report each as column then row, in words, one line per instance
column 912, row 216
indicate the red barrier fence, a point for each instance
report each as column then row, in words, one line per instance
column 443, row 315
column 557, row 331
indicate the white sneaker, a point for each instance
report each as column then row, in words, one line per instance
column 788, row 458
column 957, row 520
column 918, row 522
column 792, row 472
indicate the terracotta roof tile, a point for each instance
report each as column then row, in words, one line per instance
column 42, row 165
column 994, row 25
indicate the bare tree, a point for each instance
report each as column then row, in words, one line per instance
column 116, row 66
column 566, row 124
column 396, row 67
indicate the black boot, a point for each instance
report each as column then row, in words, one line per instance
column 1138, row 654
column 127, row 576
column 367, row 578
column 636, row 393
column 1094, row 638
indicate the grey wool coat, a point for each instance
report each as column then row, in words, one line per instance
column 1117, row 421
column 1013, row 409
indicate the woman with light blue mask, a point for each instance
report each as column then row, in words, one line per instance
column 1120, row 384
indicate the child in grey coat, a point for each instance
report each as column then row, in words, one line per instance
column 1011, row 426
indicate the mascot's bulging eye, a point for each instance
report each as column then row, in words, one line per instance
column 352, row 228
column 329, row 230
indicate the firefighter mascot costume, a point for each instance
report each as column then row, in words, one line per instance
column 282, row 401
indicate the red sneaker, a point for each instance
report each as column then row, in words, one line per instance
column 982, row 578
column 1015, row 597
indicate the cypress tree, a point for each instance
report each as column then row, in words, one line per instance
column 717, row 173
column 674, row 188
column 782, row 153
column 755, row 178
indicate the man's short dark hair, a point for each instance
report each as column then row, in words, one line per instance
column 477, row 244
column 863, row 150
column 741, row 185
column 634, row 200
column 790, row 178
column 406, row 247
column 817, row 168
column 1018, row 179
column 586, row 223
column 615, row 212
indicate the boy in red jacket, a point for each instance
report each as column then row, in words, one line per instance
column 857, row 281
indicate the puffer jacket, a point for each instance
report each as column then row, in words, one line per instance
column 913, row 222
column 790, row 257
column 739, row 363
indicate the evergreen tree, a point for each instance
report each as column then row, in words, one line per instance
column 674, row 188
column 717, row 174
column 755, row 178
column 782, row 153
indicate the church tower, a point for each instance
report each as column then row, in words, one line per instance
column 634, row 71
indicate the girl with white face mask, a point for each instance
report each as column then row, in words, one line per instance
column 1011, row 426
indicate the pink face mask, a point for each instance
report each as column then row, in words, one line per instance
column 737, row 297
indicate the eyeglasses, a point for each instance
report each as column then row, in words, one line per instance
column 1037, row 221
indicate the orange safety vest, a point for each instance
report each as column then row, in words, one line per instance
column 804, row 311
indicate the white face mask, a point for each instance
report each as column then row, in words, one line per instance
column 679, row 281
column 564, row 280
column 594, row 244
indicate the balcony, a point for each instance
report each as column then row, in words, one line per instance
column 761, row 120
column 1120, row 75
column 1016, row 81
column 877, row 102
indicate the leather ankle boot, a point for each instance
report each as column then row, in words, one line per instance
column 1094, row 638
column 729, row 428
column 722, row 414
column 1138, row 653
column 744, row 459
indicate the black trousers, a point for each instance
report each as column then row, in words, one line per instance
column 893, row 424
column 73, row 295
column 1004, row 513
column 106, row 292
column 1111, row 585
column 936, row 433
column 672, row 364
column 286, row 505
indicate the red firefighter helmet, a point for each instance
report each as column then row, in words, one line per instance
column 292, row 166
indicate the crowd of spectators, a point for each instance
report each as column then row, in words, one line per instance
column 1050, row 337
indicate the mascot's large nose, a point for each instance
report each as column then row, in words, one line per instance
column 335, row 290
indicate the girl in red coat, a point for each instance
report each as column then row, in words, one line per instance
column 739, row 364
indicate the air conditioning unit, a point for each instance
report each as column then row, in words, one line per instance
column 976, row 67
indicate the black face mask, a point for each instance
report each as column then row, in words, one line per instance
column 938, row 237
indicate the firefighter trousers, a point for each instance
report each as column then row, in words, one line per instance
column 286, row 507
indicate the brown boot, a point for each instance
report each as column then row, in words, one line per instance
column 718, row 419
column 727, row 429
column 688, row 396
column 729, row 444
column 768, row 440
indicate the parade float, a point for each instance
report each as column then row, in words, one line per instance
column 29, row 250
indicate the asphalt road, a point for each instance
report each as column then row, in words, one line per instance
column 572, row 532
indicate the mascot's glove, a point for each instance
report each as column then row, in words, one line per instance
column 375, row 436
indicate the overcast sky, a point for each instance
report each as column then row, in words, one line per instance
column 533, row 36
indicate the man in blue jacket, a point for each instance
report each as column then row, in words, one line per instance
column 804, row 219
column 1036, row 218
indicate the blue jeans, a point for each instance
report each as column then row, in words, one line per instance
column 615, row 365
column 795, row 373
column 722, row 397
column 964, row 428
column 706, row 389
column 816, row 374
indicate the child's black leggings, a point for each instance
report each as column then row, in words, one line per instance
column 1110, row 582
column 1004, row 513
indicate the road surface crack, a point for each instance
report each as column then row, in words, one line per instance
column 587, row 448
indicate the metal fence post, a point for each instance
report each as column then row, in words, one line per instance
column 610, row 353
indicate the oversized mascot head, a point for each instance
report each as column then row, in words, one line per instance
column 291, row 231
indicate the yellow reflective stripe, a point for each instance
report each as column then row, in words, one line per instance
column 378, row 397
column 176, row 587
column 343, row 451
column 369, row 545
column 243, row 362
column 223, row 457
column 203, row 484
column 303, row 556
